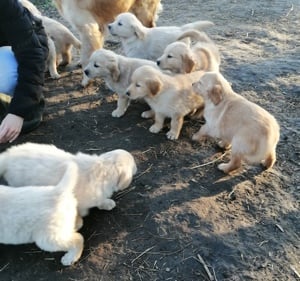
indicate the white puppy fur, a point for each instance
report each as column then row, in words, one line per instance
column 116, row 71
column 45, row 215
column 99, row 175
column 147, row 43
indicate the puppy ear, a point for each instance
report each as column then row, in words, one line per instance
column 216, row 94
column 115, row 72
column 188, row 64
column 139, row 32
column 154, row 86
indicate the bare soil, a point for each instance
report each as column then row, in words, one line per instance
column 180, row 208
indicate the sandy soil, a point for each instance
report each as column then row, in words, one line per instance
column 180, row 208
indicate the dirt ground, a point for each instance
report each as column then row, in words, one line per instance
column 180, row 208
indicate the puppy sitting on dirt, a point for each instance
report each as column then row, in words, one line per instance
column 45, row 215
column 168, row 96
column 252, row 132
column 179, row 57
column 142, row 42
column 99, row 175
column 116, row 71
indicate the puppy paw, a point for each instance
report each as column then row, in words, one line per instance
column 148, row 114
column 172, row 136
column 107, row 205
column 223, row 167
column 55, row 75
column 79, row 222
column 117, row 113
column 67, row 260
column 154, row 129
column 224, row 145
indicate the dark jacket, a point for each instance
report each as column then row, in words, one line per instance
column 26, row 35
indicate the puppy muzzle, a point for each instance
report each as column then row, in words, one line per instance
column 86, row 72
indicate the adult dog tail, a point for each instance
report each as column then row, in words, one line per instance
column 69, row 179
column 198, row 25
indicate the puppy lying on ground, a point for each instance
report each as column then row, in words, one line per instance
column 252, row 132
column 90, row 17
column 99, row 175
column 142, row 42
column 168, row 96
column 179, row 57
column 116, row 71
column 45, row 215
column 60, row 40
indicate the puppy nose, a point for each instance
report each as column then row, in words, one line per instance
column 86, row 72
column 158, row 62
column 128, row 94
column 109, row 27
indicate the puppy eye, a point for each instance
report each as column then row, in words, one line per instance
column 96, row 65
column 119, row 23
column 137, row 85
column 169, row 56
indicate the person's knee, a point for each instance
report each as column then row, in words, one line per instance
column 8, row 71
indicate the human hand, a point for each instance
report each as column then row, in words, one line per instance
column 10, row 128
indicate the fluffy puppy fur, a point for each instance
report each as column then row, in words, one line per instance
column 90, row 18
column 147, row 43
column 63, row 40
column 60, row 40
column 181, row 57
column 99, row 175
column 252, row 132
column 168, row 96
column 45, row 215
column 116, row 71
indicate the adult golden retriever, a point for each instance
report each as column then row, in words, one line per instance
column 251, row 131
column 89, row 18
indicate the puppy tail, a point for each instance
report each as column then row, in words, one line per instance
column 75, row 42
column 69, row 179
column 194, row 35
column 198, row 25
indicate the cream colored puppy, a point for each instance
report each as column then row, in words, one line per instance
column 99, row 175
column 168, row 96
column 252, row 132
column 116, row 71
column 142, row 42
column 63, row 40
column 60, row 40
column 181, row 57
column 44, row 215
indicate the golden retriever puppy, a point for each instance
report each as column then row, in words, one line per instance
column 60, row 40
column 168, row 96
column 44, row 215
column 139, row 41
column 252, row 132
column 90, row 18
column 63, row 39
column 99, row 175
column 181, row 57
column 116, row 71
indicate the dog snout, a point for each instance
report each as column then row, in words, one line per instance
column 86, row 72
column 158, row 62
column 128, row 94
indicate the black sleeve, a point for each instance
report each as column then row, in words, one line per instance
column 26, row 35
